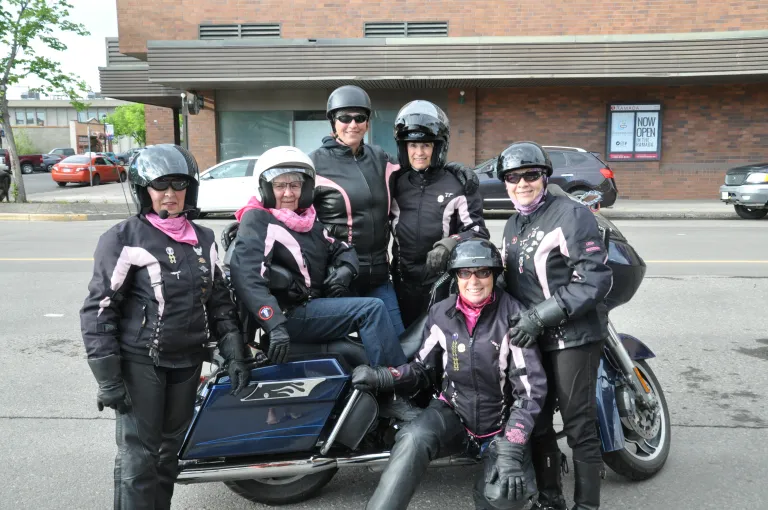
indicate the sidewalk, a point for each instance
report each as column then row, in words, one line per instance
column 111, row 209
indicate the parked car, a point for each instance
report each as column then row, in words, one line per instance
column 28, row 162
column 125, row 157
column 63, row 151
column 575, row 170
column 746, row 188
column 78, row 169
column 226, row 187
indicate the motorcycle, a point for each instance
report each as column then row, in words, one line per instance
column 285, row 437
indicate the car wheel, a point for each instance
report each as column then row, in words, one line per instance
column 96, row 180
column 61, row 184
column 749, row 213
column 48, row 168
column 26, row 168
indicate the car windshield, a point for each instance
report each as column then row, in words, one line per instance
column 77, row 159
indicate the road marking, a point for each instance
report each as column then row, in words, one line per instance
column 45, row 259
column 54, row 315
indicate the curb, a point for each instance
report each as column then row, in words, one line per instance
column 682, row 215
column 60, row 217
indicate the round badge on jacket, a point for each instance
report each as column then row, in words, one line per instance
column 265, row 312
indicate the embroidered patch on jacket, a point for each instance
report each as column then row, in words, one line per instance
column 266, row 312
column 395, row 372
column 593, row 248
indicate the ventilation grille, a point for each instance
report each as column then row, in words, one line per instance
column 407, row 29
column 114, row 57
column 240, row 31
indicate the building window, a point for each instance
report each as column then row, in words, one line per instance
column 82, row 116
column 41, row 117
column 92, row 114
column 30, row 117
column 240, row 31
column 252, row 133
column 406, row 29
column 19, row 117
column 382, row 122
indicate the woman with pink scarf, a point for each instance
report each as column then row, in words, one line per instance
column 156, row 300
column 279, row 227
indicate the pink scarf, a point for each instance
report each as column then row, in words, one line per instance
column 472, row 312
column 179, row 228
column 297, row 221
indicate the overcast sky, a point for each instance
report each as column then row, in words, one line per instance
column 84, row 55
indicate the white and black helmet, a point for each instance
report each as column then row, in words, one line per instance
column 283, row 160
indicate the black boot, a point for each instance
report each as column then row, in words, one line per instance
column 586, row 493
column 397, row 407
column 548, row 477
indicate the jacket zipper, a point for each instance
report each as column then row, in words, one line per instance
column 370, row 208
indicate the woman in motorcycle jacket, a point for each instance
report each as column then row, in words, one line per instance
column 352, row 195
column 156, row 300
column 430, row 211
column 555, row 266
column 278, row 226
column 491, row 391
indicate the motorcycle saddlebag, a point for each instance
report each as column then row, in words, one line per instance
column 283, row 409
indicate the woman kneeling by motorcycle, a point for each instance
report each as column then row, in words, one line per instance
column 491, row 392
column 279, row 226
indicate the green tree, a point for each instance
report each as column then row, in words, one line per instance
column 129, row 121
column 24, row 143
column 25, row 24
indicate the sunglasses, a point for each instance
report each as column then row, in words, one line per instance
column 282, row 186
column 531, row 176
column 347, row 119
column 161, row 185
column 466, row 274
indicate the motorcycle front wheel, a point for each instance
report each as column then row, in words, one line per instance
column 646, row 440
column 282, row 490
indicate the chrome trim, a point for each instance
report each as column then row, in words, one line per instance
column 337, row 428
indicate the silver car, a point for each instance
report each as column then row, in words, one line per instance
column 746, row 187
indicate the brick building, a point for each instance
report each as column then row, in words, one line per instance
column 674, row 93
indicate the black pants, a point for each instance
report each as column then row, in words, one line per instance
column 436, row 432
column 572, row 380
column 413, row 300
column 150, row 434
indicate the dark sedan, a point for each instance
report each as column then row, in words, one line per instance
column 576, row 171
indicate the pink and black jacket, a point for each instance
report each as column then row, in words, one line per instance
column 262, row 240
column 491, row 384
column 558, row 251
column 149, row 290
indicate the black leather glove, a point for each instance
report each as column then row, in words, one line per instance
column 279, row 345
column 466, row 177
column 337, row 283
column 372, row 379
column 112, row 392
column 526, row 327
column 232, row 349
column 437, row 259
column 506, row 478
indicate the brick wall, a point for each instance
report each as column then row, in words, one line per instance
column 462, row 118
column 705, row 130
column 142, row 20
column 203, row 134
column 159, row 124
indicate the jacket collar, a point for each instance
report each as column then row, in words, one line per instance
column 329, row 142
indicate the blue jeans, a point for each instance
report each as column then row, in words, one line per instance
column 325, row 319
column 387, row 294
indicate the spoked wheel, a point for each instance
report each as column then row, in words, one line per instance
column 282, row 490
column 647, row 435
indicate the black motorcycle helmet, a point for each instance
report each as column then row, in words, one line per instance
column 163, row 160
column 422, row 121
column 475, row 253
column 522, row 155
column 344, row 97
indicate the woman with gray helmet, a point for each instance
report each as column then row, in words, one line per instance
column 430, row 210
column 490, row 396
column 352, row 195
column 554, row 257
column 156, row 299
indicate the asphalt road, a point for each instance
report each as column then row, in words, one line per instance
column 701, row 309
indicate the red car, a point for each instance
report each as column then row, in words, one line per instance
column 76, row 169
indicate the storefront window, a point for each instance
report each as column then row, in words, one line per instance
column 252, row 133
column 382, row 124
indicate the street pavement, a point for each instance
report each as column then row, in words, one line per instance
column 701, row 309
